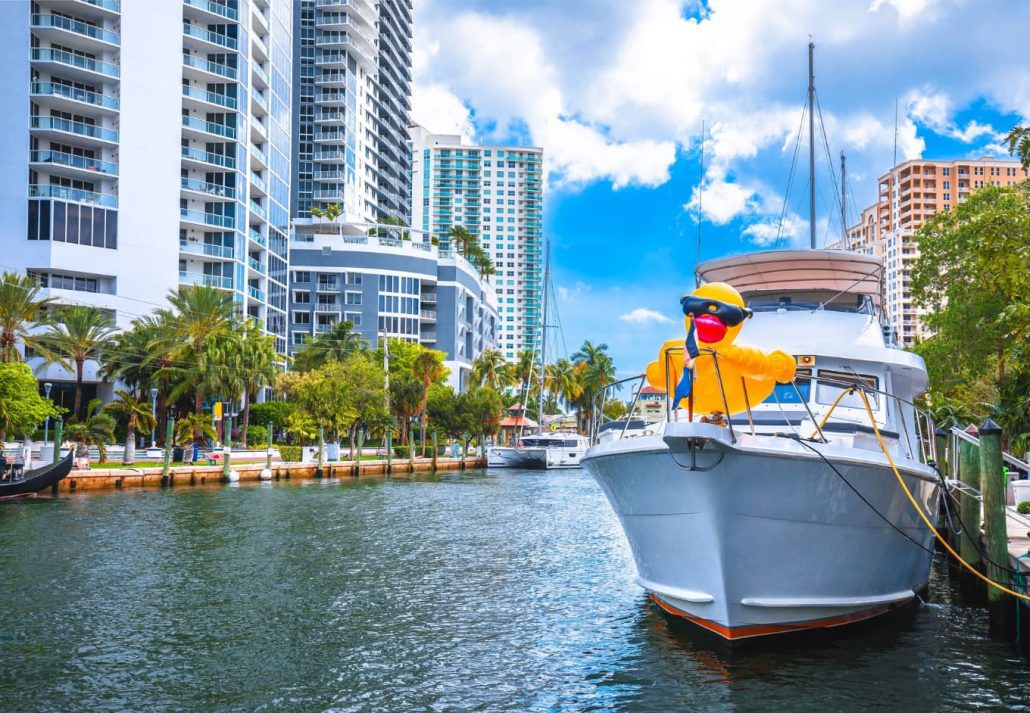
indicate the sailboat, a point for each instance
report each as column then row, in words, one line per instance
column 788, row 514
column 540, row 450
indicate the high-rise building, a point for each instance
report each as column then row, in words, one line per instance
column 392, row 285
column 496, row 193
column 141, row 157
column 910, row 194
column 351, row 99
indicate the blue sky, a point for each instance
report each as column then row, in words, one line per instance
column 616, row 93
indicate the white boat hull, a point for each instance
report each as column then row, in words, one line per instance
column 761, row 537
column 550, row 457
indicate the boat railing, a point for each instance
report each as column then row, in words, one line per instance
column 920, row 446
column 599, row 398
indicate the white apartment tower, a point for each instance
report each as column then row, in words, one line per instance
column 351, row 99
column 496, row 193
column 140, row 156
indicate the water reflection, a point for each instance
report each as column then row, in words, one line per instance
column 482, row 591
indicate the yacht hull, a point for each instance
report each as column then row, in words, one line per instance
column 504, row 457
column 761, row 537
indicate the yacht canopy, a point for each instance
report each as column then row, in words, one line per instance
column 781, row 271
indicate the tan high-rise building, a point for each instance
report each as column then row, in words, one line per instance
column 909, row 194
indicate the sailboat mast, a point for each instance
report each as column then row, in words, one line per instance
column 543, row 338
column 843, row 204
column 811, row 143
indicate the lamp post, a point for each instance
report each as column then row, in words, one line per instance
column 153, row 407
column 46, row 423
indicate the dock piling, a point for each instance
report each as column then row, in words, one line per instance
column 992, row 474
column 227, row 448
column 169, row 442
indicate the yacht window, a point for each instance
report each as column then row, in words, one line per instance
column 571, row 444
column 831, row 383
column 785, row 393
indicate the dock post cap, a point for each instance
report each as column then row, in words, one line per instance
column 972, row 430
column 989, row 427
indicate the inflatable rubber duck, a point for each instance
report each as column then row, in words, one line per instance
column 714, row 315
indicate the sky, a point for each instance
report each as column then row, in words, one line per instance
column 617, row 93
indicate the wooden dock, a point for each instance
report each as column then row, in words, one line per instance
column 187, row 475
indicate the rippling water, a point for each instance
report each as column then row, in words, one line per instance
column 482, row 591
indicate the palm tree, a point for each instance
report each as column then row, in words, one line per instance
column 597, row 370
column 563, row 380
column 139, row 358
column 199, row 314
column 488, row 370
column 137, row 415
column 331, row 212
column 94, row 430
column 193, row 427
column 427, row 369
column 75, row 335
column 334, row 345
column 259, row 363
column 524, row 366
column 1019, row 144
column 461, row 239
column 20, row 309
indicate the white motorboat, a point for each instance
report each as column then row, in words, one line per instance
column 540, row 451
column 788, row 517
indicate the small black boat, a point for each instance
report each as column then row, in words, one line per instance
column 38, row 479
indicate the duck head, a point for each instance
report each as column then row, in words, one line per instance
column 718, row 313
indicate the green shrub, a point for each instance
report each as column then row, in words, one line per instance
column 275, row 411
column 256, row 434
column 400, row 451
column 290, row 454
column 1023, row 508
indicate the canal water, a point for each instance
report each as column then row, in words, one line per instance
column 491, row 591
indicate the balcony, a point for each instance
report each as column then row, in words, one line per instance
column 333, row 176
column 44, row 159
column 204, row 95
column 257, row 237
column 258, row 184
column 208, row 189
column 259, row 156
column 43, row 90
column 327, row 286
column 326, row 195
column 82, row 67
column 262, row 77
column 428, row 336
column 98, row 7
column 429, row 298
column 325, row 98
column 255, row 265
column 329, row 156
column 257, row 210
column 81, row 29
column 330, row 116
column 207, row 250
column 203, row 65
column 260, row 102
column 255, row 293
column 428, row 314
column 208, row 158
column 327, row 307
column 214, row 38
column 215, row 8
column 73, row 194
column 331, row 136
column 223, row 282
column 208, row 127
column 207, row 219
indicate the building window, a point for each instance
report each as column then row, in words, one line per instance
column 301, row 277
column 301, row 297
column 353, row 298
column 302, row 318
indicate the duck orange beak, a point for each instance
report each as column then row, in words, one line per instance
column 710, row 329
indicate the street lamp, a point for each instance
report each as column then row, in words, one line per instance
column 46, row 423
column 153, row 407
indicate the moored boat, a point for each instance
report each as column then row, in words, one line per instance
column 789, row 516
column 39, row 479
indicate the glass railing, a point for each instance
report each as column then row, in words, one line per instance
column 260, row 72
column 258, row 211
column 208, row 36
column 213, row 189
column 222, row 70
column 255, row 293
column 80, row 95
column 74, row 60
column 73, row 161
column 219, row 221
column 198, row 248
column 257, row 237
column 79, row 28
column 196, row 278
column 211, row 97
column 112, row 5
column 73, row 194
column 209, row 126
column 327, row 155
column 259, row 182
column 74, row 127
column 214, row 7
column 255, row 265
column 260, row 100
column 217, row 159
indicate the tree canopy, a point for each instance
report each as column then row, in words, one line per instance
column 22, row 409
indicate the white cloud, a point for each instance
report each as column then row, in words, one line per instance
column 907, row 9
column 436, row 108
column 642, row 315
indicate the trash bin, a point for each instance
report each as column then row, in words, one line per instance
column 178, row 454
column 332, row 451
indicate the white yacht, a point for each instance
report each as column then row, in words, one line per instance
column 543, row 450
column 788, row 517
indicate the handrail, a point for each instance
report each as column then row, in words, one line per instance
column 1007, row 457
column 596, row 418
